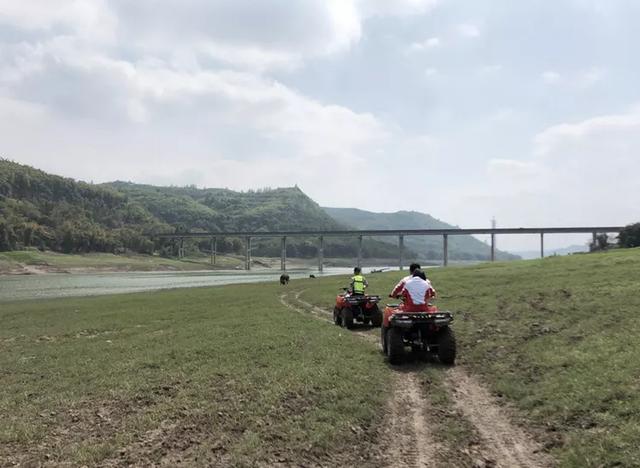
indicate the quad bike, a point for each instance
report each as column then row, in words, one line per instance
column 427, row 331
column 351, row 308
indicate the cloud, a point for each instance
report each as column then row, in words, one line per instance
column 581, row 79
column 551, row 77
column 571, row 174
column 395, row 8
column 431, row 43
column 469, row 30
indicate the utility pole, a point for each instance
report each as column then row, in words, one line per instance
column 493, row 240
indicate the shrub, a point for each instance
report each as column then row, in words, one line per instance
column 630, row 236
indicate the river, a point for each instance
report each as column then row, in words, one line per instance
column 52, row 285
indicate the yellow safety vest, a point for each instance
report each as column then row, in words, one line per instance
column 358, row 284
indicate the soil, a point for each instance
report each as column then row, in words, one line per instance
column 502, row 441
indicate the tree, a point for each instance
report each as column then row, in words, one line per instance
column 601, row 242
column 630, row 236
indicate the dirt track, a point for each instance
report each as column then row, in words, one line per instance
column 406, row 432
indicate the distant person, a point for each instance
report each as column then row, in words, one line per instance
column 398, row 288
column 416, row 293
column 358, row 282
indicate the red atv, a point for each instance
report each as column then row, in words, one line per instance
column 422, row 331
column 352, row 308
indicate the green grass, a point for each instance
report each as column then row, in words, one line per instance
column 558, row 337
column 228, row 374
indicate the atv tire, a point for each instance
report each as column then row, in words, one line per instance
column 395, row 345
column 347, row 318
column 376, row 317
column 336, row 316
column 383, row 339
column 447, row 346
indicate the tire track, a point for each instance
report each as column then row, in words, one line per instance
column 407, row 440
column 507, row 444
column 503, row 444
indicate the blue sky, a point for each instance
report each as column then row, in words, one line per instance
column 528, row 111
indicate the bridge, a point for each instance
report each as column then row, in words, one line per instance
column 359, row 234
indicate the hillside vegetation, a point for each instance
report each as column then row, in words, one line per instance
column 427, row 248
column 51, row 212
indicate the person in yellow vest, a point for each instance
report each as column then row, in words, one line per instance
column 358, row 282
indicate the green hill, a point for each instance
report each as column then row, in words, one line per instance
column 427, row 248
column 60, row 214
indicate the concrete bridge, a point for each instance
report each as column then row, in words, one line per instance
column 399, row 233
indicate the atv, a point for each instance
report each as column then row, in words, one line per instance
column 351, row 308
column 424, row 332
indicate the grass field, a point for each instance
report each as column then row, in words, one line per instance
column 559, row 338
column 229, row 376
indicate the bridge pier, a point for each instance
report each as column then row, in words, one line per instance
column 542, row 245
column 320, row 254
column 401, row 251
column 445, row 250
column 247, row 255
column 493, row 247
column 594, row 238
column 359, row 251
column 181, row 248
column 214, row 250
column 283, row 253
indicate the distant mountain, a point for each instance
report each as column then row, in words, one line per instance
column 427, row 248
column 48, row 211
column 280, row 209
column 531, row 254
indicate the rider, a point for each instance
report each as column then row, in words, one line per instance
column 398, row 288
column 416, row 292
column 358, row 282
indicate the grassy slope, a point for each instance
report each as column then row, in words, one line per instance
column 559, row 337
column 227, row 378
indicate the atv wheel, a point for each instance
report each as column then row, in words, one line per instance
column 447, row 346
column 347, row 318
column 383, row 339
column 336, row 316
column 376, row 317
column 366, row 321
column 395, row 345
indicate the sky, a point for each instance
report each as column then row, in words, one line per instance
column 525, row 111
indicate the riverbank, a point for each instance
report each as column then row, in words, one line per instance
column 35, row 262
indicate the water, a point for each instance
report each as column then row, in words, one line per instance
column 15, row 288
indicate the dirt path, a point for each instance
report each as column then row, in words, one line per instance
column 503, row 442
column 405, row 435
column 406, row 432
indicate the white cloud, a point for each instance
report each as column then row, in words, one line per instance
column 581, row 79
column 591, row 77
column 572, row 173
column 90, row 19
column 469, row 30
column 430, row 72
column 431, row 43
column 551, row 77
column 396, row 7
